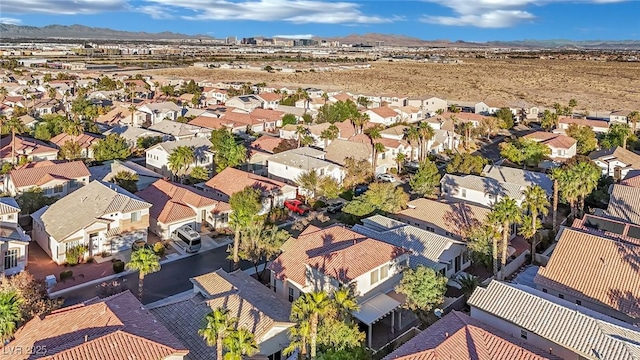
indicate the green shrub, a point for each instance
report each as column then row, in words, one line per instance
column 394, row 171
column 318, row 205
column 159, row 248
column 66, row 275
column 75, row 254
column 118, row 266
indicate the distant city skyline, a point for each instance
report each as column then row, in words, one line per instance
column 469, row 20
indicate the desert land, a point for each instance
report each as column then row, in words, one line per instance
column 595, row 85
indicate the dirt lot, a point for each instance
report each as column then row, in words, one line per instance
column 595, row 85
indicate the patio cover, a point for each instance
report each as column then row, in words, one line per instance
column 376, row 308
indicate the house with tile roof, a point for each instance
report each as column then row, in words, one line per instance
column 598, row 126
column 597, row 272
column 326, row 259
column 174, row 205
column 607, row 227
column 109, row 169
column 480, row 190
column 619, row 116
column 288, row 165
column 152, row 113
column 616, row 162
column 28, row 148
column 107, row 218
column 520, row 177
column 624, row 203
column 255, row 306
column 157, row 156
column 269, row 100
column 459, row 336
column 561, row 146
column 54, row 178
column 430, row 104
column 14, row 241
column 383, row 115
column 179, row 131
column 131, row 134
column 450, row 219
column 230, row 181
column 117, row 327
column 561, row 327
column 245, row 102
column 631, row 179
column 443, row 254
column 86, row 140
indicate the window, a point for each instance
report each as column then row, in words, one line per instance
column 48, row 191
column 465, row 257
column 578, row 302
column 523, row 334
column 443, row 272
column 135, row 216
column 429, row 228
column 449, row 265
column 544, row 291
column 374, row 276
column 384, row 271
column 58, row 189
column 10, row 217
column 290, row 294
column 561, row 296
column 274, row 285
column 463, row 192
column 10, row 258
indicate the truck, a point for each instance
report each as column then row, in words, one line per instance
column 296, row 206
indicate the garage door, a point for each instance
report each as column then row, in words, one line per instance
column 175, row 226
column 124, row 242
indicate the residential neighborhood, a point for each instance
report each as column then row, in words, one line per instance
column 346, row 225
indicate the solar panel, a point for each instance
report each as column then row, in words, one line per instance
column 634, row 232
column 605, row 225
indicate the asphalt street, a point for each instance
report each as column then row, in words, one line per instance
column 172, row 279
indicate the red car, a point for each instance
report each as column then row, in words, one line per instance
column 296, row 206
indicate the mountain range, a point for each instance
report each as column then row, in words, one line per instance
column 8, row 31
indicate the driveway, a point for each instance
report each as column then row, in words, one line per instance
column 172, row 279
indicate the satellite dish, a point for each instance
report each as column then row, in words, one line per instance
column 438, row 312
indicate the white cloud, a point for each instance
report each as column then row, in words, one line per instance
column 302, row 36
column 62, row 7
column 10, row 21
column 156, row 12
column 493, row 13
column 294, row 11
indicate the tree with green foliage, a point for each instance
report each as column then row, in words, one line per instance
column 33, row 199
column 245, row 206
column 10, row 314
column 338, row 112
column 228, row 152
column 180, row 160
column 424, row 289
column 310, row 307
column 285, row 145
column 364, row 102
column 524, row 151
column 385, row 197
column 329, row 134
column 633, row 119
column 145, row 262
column 199, row 174
column 309, row 181
column 357, row 172
column 146, row 142
column 260, row 244
column 6, row 168
column 506, row 117
column 126, row 180
column 218, row 326
column 536, row 202
column 618, row 135
column 240, row 344
column 167, row 90
column 13, row 126
column 329, row 187
column 289, row 119
column 111, row 147
column 466, row 164
column 482, row 241
column 468, row 284
column 425, row 134
column 577, row 179
column 490, row 125
column 506, row 213
column 190, row 87
column 70, row 150
column 425, row 180
column 549, row 120
column 584, row 136
column 359, row 120
column 33, row 295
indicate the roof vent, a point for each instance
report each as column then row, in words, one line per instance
column 86, row 338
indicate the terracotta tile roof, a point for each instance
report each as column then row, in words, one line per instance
column 172, row 202
column 384, row 111
column 342, row 97
column 586, row 122
column 632, row 179
column 118, row 327
column 24, row 146
column 230, row 181
column 119, row 114
column 341, row 254
column 463, row 116
column 459, row 336
column 346, row 129
column 269, row 96
column 608, row 227
column 260, row 114
column 238, row 119
column 39, row 175
column 599, row 269
column 455, row 218
column 86, row 140
column 629, row 158
column 624, row 203
column 266, row 143
column 392, row 143
column 208, row 122
column 557, row 141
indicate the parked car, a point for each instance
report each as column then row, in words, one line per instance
column 140, row 244
column 296, row 206
column 188, row 238
column 360, row 189
column 385, row 178
column 335, row 207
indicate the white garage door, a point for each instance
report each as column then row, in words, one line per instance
column 175, row 226
column 124, row 242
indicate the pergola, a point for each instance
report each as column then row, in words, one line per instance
column 375, row 309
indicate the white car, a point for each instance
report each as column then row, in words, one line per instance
column 386, row 178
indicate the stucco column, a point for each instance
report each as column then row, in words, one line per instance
column 369, row 337
column 393, row 321
column 400, row 319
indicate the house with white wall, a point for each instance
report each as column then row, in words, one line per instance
column 157, row 156
column 619, row 116
column 26, row 148
column 616, row 162
column 269, row 100
column 174, row 205
column 179, row 131
column 244, row 102
column 14, row 241
column 383, row 115
column 429, row 104
column 486, row 108
column 371, row 267
column 54, row 178
column 153, row 113
column 598, row 126
column 287, row 166
column 561, row 146
column 410, row 114
column 479, row 190
column 107, row 218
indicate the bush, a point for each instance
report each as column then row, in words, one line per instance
column 159, row 248
column 105, row 253
column 89, row 259
column 66, row 275
column 277, row 214
column 111, row 288
column 118, row 266
column 75, row 254
column 394, row 171
column 319, row 205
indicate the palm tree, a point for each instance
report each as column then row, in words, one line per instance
column 536, row 203
column 240, row 343
column 325, row 97
column 217, row 327
column 377, row 148
column 454, row 108
column 426, row 133
column 52, row 92
column 309, row 180
column 359, row 120
column 624, row 131
column 10, row 314
column 633, row 118
column 329, row 134
column 555, row 175
column 299, row 335
column 309, row 307
column 14, row 125
column 587, row 175
column 413, row 136
column 131, row 87
column 145, row 261
column 400, row 158
column 465, row 129
column 506, row 213
column 302, row 132
column 468, row 283
column 345, row 302
column 132, row 110
column 180, row 159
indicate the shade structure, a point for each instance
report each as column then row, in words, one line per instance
column 376, row 308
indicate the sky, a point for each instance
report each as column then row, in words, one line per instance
column 468, row 20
